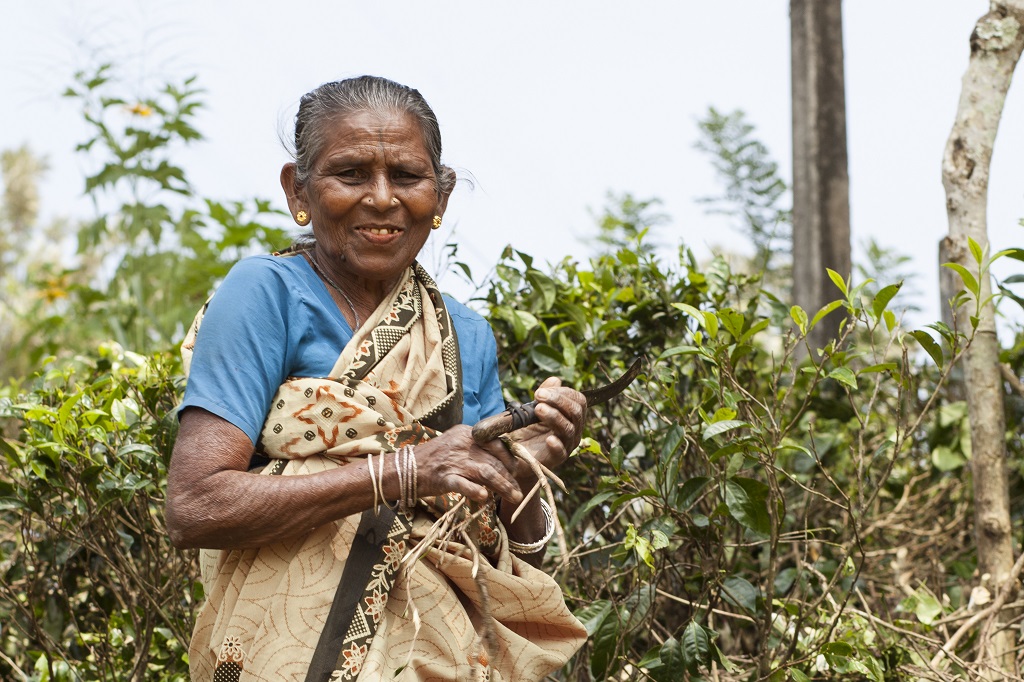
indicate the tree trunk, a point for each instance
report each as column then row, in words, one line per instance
column 996, row 45
column 821, row 184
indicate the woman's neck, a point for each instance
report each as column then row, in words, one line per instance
column 358, row 296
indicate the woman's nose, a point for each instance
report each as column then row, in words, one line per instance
column 379, row 193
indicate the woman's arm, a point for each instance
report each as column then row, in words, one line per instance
column 213, row 501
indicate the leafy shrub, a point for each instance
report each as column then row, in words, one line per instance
column 91, row 587
column 738, row 508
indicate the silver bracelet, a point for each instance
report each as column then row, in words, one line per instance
column 534, row 547
column 405, row 461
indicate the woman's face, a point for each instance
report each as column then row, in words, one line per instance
column 372, row 196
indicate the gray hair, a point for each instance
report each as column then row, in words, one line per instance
column 331, row 101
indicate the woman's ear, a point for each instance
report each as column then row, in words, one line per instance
column 294, row 193
column 442, row 203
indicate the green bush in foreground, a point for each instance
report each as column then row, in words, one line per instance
column 90, row 586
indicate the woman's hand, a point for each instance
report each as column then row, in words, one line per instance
column 561, row 411
column 454, row 462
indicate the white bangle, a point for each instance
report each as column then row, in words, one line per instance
column 534, row 547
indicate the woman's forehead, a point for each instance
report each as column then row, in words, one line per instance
column 366, row 133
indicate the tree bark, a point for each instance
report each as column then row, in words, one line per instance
column 821, row 183
column 996, row 45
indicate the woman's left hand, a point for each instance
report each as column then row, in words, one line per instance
column 561, row 411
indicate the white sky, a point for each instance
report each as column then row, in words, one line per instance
column 547, row 104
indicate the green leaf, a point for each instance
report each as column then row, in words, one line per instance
column 844, row 376
column 799, row 317
column 605, row 640
column 595, row 501
column 798, row 675
column 740, row 592
column 673, row 661
column 890, row 320
column 929, row 346
column 976, row 250
column 952, row 413
column 970, row 283
column 837, row 649
column 928, row 608
column 945, row 459
column 754, row 329
column 723, row 414
column 837, row 279
column 718, row 428
column 592, row 615
column 1016, row 254
column 691, row 311
column 690, row 492
column 547, row 359
column 545, row 285
column 746, row 500
column 711, row 323
column 694, row 646
column 678, row 350
column 881, row 367
column 732, row 321
column 638, row 606
column 825, row 310
column 883, row 297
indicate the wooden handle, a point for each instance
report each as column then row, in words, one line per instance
column 514, row 418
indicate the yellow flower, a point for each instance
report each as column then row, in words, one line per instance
column 54, row 288
column 140, row 109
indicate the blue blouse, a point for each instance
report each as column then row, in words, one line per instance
column 273, row 318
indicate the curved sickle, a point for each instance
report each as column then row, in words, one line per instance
column 519, row 415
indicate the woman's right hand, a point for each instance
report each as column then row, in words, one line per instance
column 454, row 462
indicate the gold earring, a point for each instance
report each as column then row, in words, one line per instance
column 437, row 221
column 302, row 218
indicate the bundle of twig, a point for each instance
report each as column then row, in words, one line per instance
column 459, row 526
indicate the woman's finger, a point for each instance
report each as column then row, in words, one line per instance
column 498, row 451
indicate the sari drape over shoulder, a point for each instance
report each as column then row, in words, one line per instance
column 276, row 613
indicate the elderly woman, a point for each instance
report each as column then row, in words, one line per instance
column 324, row 430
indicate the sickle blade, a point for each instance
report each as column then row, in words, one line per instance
column 596, row 396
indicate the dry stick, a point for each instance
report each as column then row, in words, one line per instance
column 1011, row 378
column 14, row 666
column 669, row 595
column 988, row 611
column 443, row 522
column 526, row 498
column 542, row 473
column 488, row 638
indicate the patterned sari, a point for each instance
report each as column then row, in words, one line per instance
column 299, row 610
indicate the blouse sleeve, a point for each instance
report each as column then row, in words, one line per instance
column 491, row 400
column 241, row 351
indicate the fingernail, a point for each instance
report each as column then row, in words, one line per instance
column 543, row 394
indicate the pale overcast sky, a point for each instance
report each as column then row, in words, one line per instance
column 547, row 104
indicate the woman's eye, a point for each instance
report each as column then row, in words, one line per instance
column 405, row 176
column 350, row 174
